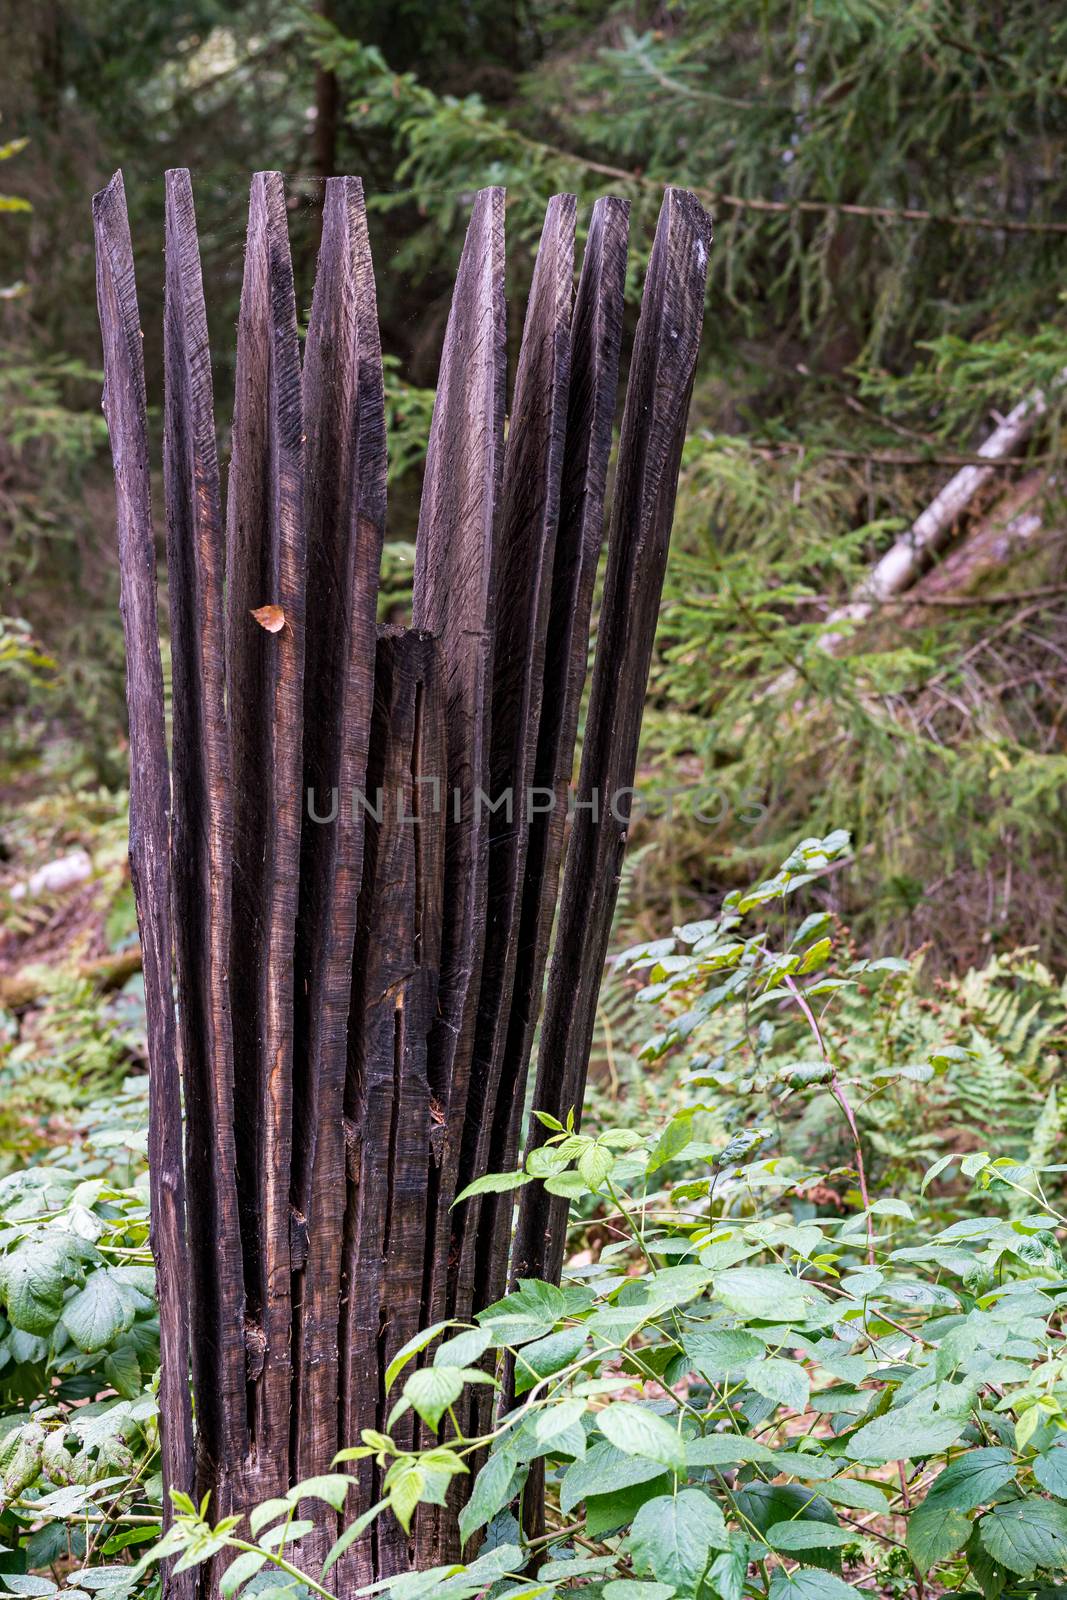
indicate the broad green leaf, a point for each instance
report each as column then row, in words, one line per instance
column 717, row 1352
column 602, row 1470
column 1024, row 1535
column 332, row 1487
column 529, row 1313
column 634, row 1589
column 1050, row 1470
column 432, row 1390
column 594, row 1164
column 637, row 1431
column 855, row 1492
column 405, row 1492
column 674, row 1538
column 901, row 1435
column 463, row 1349
column 769, row 1294
column 287, row 1534
column 972, row 1479
column 611, row 1513
column 795, row 1536
column 32, row 1281
column 725, row 1449
column 267, row 1512
column 545, row 1356
column 808, row 1583
column 935, row 1531
column 97, row 1314
column 784, row 1382
column 491, row 1492
column 246, row 1565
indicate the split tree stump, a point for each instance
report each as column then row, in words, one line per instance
column 347, row 873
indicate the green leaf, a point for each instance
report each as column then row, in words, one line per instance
column 432, row 1390
column 594, row 1164
column 808, row 1583
column 494, row 1183
column 269, row 1511
column 491, row 1492
column 795, row 1536
column 725, row 1449
column 332, row 1487
column 123, row 1371
column 1024, row 1535
column 901, row 1435
column 529, row 1313
column 717, row 1352
column 246, row 1565
column 784, row 1382
column 32, row 1281
column 405, row 1492
column 412, row 1348
column 545, row 1356
column 611, row 1513
column 932, row 1172
column 629, row 1589
column 767, row 1293
column 602, row 1470
column 674, row 1538
column 351, row 1534
column 637, row 1431
column 855, row 1492
column 1050, row 1470
column 464, row 1349
column 97, row 1314
column 286, row 1534
column 935, row 1531
column 972, row 1479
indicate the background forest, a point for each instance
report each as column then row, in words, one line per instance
column 888, row 183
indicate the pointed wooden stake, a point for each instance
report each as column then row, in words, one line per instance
column 265, row 568
column 650, row 451
column 125, row 410
column 201, row 852
column 455, row 598
column 595, row 344
column 525, row 540
column 388, row 1107
column 344, row 408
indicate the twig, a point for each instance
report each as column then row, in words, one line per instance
column 820, row 208
column 838, row 1092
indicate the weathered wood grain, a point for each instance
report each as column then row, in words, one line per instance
column 201, row 845
column 388, row 1108
column 125, row 410
column 525, row 538
column 595, row 345
column 454, row 597
column 650, row 448
column 345, row 472
column 265, row 566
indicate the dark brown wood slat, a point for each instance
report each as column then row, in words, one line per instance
column 595, row 344
column 265, row 567
column 125, row 410
column 650, row 448
column 525, row 539
column 345, row 474
column 200, row 850
column 388, row 1113
column 454, row 598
